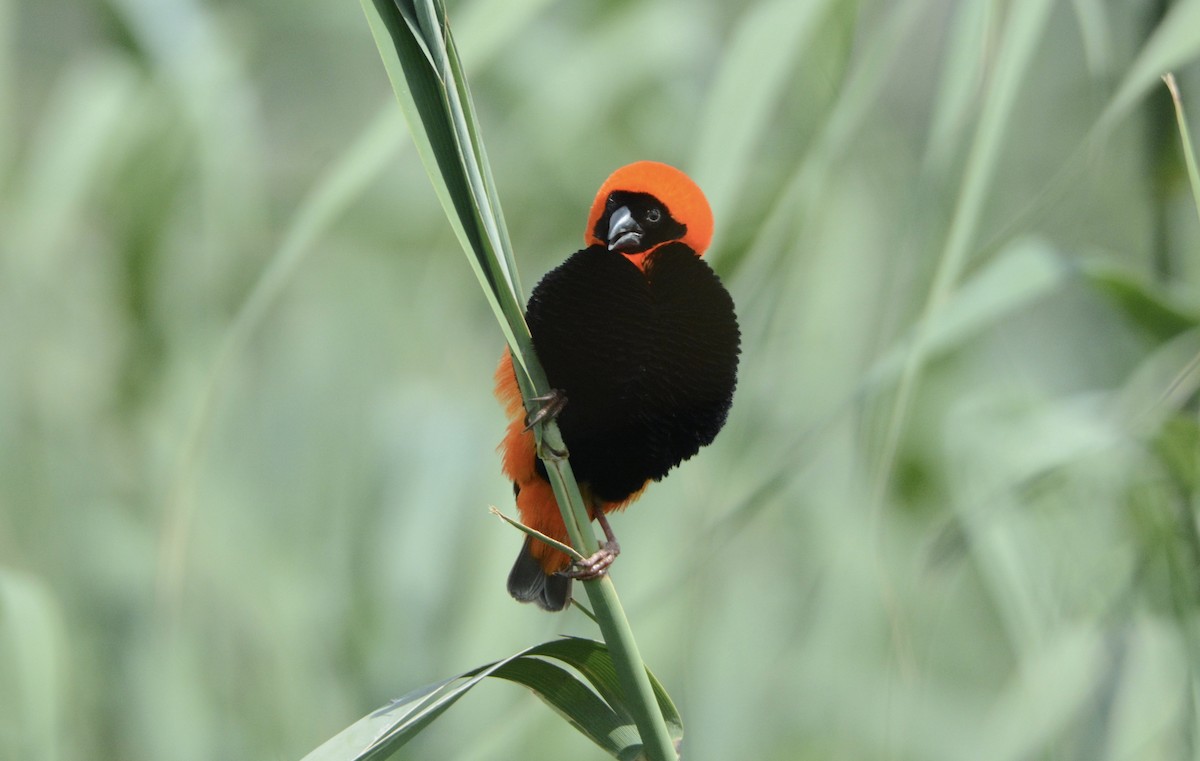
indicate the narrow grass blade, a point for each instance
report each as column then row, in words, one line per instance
column 1095, row 31
column 1150, row 308
column 1189, row 156
column 766, row 44
column 66, row 162
column 427, row 78
column 771, row 247
column 419, row 97
column 498, row 226
column 1018, row 276
column 963, row 74
column 1024, row 27
column 1172, row 44
column 1161, row 385
column 563, row 548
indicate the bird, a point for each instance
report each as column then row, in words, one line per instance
column 639, row 339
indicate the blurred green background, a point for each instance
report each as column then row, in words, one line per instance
column 246, row 426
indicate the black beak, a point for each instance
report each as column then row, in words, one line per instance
column 624, row 234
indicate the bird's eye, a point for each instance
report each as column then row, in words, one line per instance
column 611, row 203
column 653, row 215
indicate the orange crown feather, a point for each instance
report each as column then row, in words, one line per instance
column 682, row 197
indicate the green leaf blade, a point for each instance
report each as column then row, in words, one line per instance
column 593, row 704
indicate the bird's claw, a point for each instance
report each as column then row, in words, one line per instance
column 549, row 407
column 596, row 566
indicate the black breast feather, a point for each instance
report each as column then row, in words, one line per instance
column 648, row 362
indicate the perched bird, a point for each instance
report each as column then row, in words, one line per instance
column 640, row 342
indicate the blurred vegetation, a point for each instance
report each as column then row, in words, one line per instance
column 246, row 425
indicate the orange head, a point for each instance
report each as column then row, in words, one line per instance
column 646, row 204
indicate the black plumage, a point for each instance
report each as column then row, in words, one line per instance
column 647, row 359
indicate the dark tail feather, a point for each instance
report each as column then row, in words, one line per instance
column 527, row 582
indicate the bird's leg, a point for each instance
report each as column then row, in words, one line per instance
column 597, row 564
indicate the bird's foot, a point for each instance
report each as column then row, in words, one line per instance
column 595, row 566
column 549, row 407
